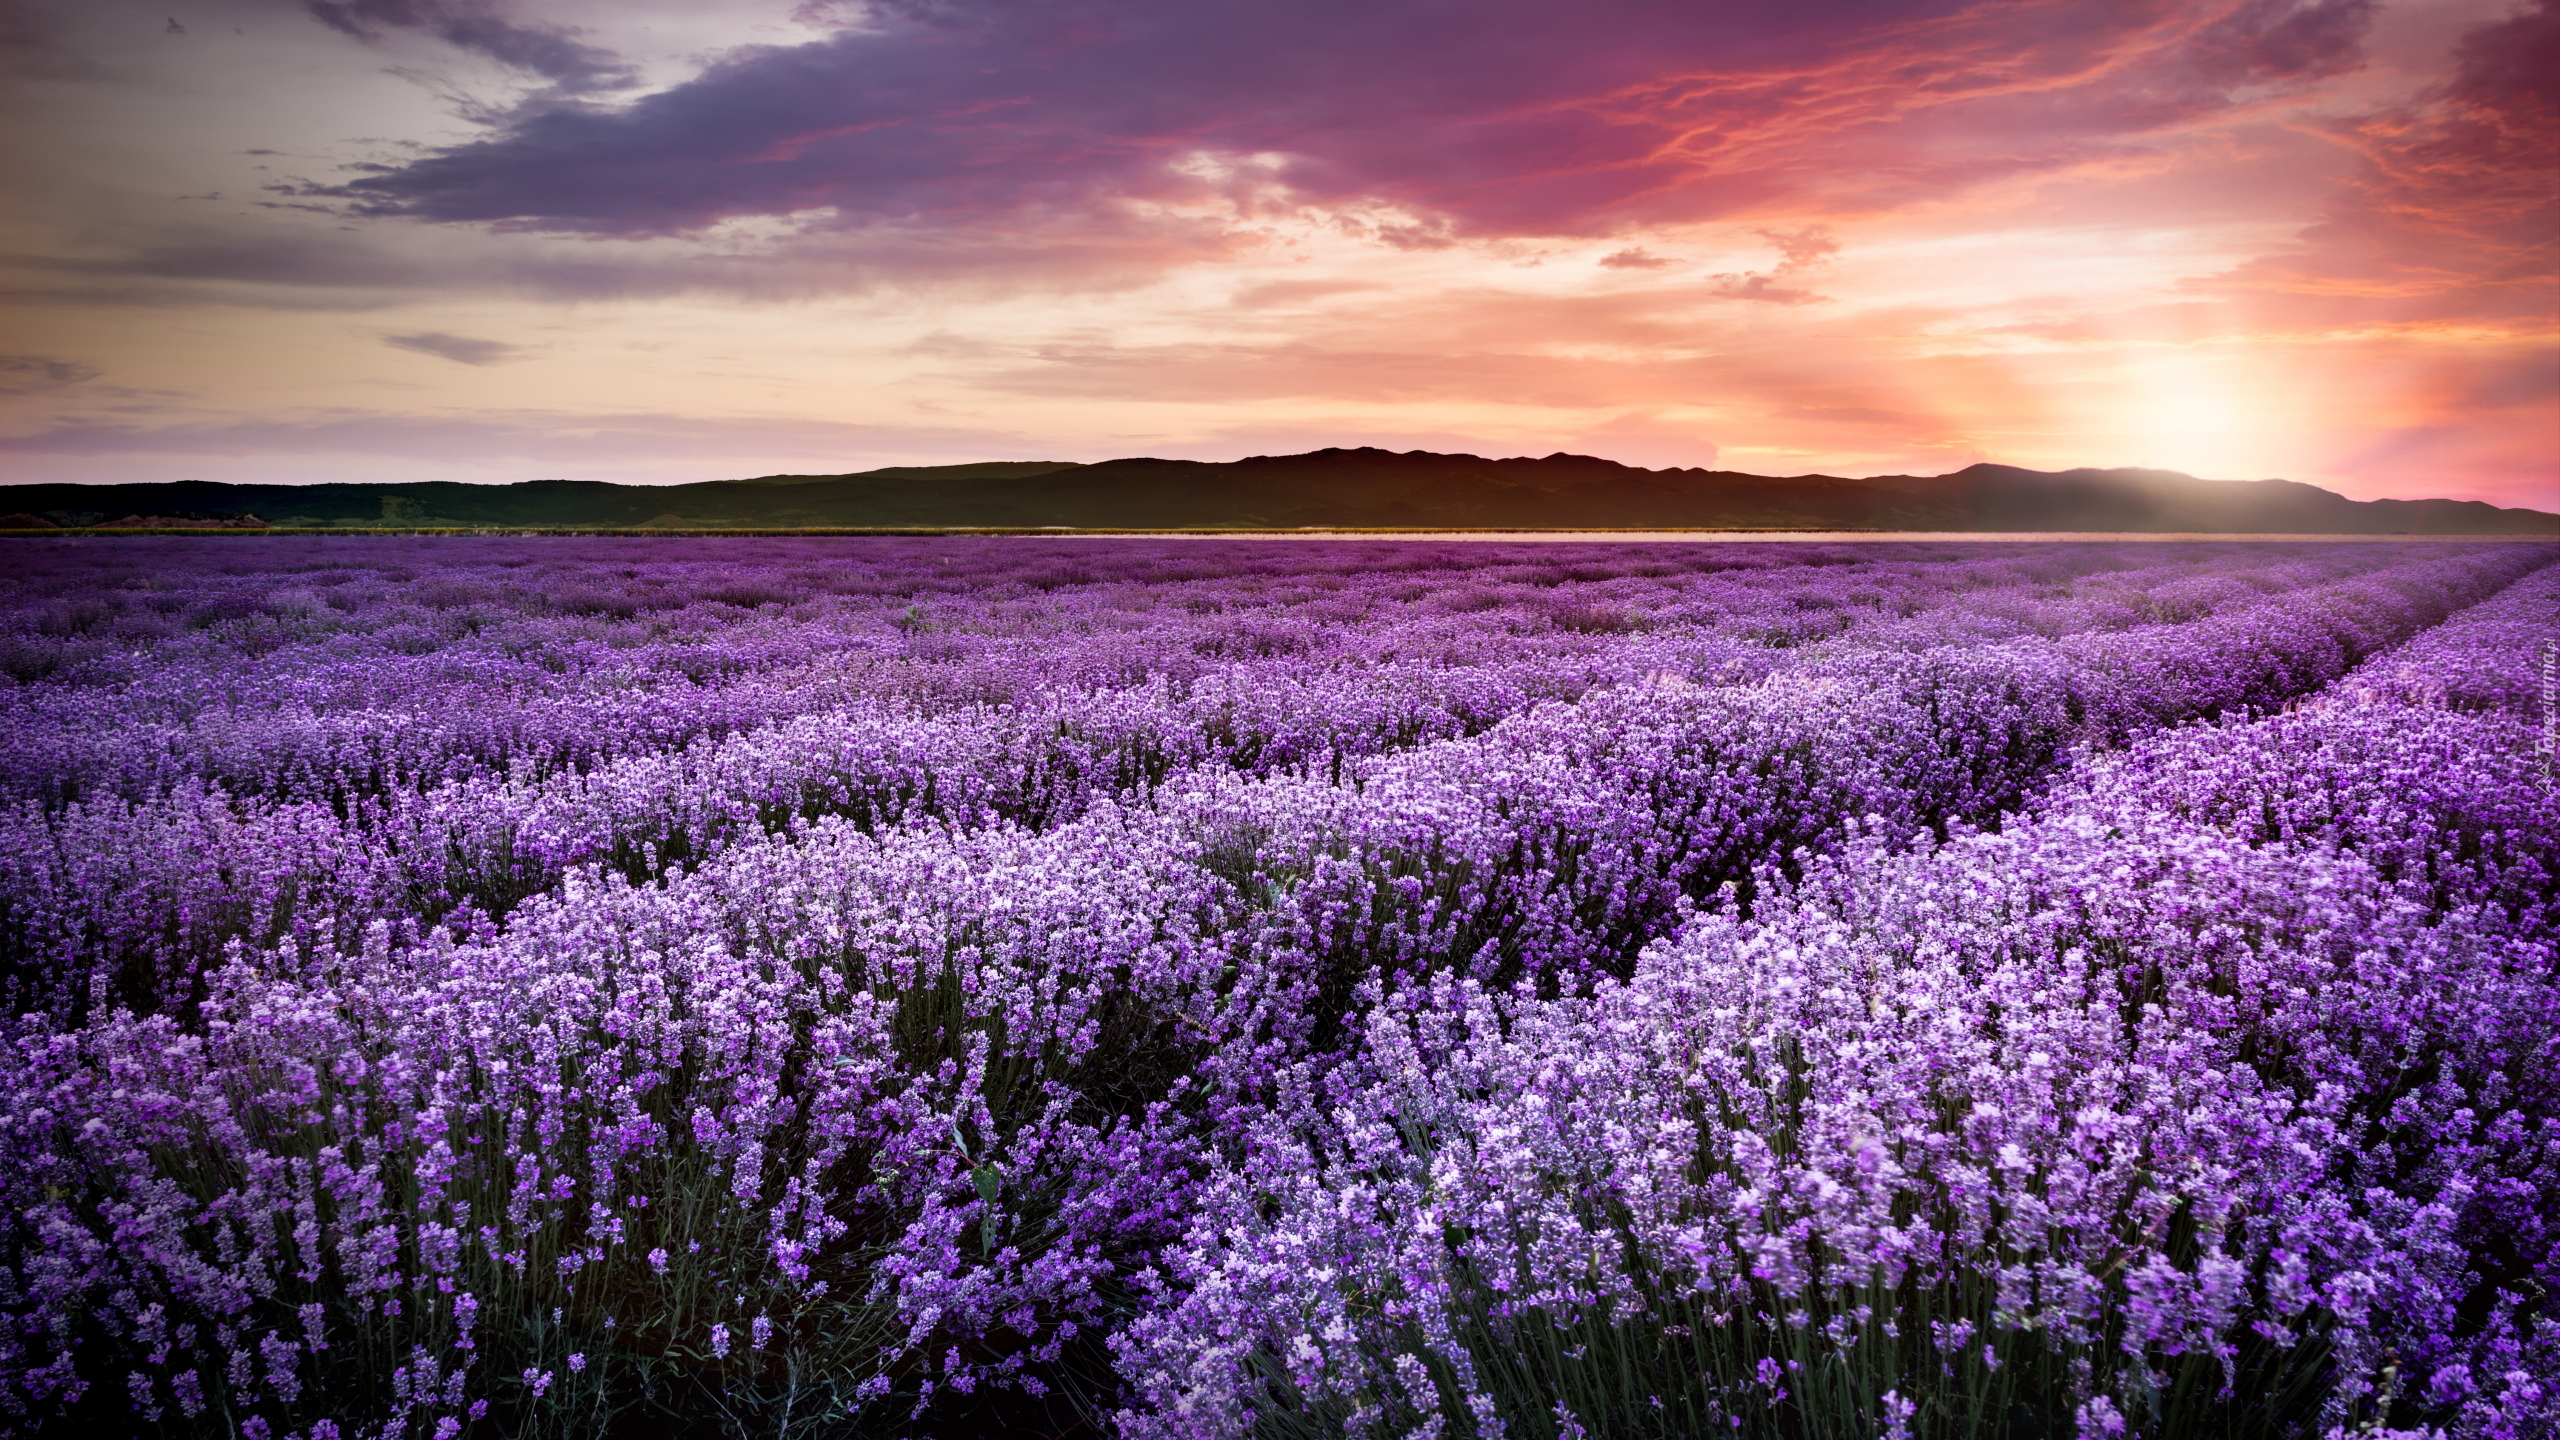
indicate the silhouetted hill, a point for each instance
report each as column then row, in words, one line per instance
column 1360, row 487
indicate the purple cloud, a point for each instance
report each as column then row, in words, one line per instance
column 1461, row 117
column 2267, row 39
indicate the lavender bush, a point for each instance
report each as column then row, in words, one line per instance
column 841, row 987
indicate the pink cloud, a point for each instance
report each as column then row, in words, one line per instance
column 1634, row 258
column 2452, row 214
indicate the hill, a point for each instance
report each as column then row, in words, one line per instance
column 1333, row 487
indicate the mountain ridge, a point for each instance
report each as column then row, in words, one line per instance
column 1360, row 487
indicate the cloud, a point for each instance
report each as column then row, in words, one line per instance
column 1423, row 123
column 2028, row 192
column 1634, row 259
column 645, row 447
column 460, row 349
column 571, row 65
column 1798, row 250
column 1277, row 293
column 1803, row 248
column 310, row 260
column 315, row 268
column 33, row 374
column 1484, row 350
column 1229, row 373
column 2451, row 217
column 1752, row 285
column 2268, row 39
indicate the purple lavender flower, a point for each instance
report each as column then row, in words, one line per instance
column 1392, row 989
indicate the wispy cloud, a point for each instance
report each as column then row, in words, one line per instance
column 554, row 53
column 461, row 349
column 1634, row 258
column 31, row 374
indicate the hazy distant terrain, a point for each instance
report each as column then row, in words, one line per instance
column 1332, row 487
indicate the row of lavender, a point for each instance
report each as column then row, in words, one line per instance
column 532, row 680
column 853, row 1113
column 359, row 667
column 306, row 793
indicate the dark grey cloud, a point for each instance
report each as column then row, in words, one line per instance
column 461, row 349
column 30, row 374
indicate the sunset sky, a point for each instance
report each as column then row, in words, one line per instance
column 665, row 240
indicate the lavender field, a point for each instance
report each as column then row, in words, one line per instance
column 543, row 987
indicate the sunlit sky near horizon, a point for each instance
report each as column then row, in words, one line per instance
column 645, row 240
